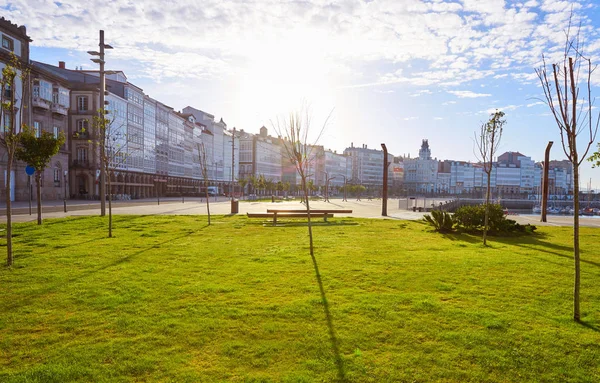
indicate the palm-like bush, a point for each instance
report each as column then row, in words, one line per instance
column 442, row 221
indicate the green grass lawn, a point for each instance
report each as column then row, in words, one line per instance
column 170, row 299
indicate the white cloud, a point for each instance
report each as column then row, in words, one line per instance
column 421, row 93
column 446, row 43
column 525, row 77
column 468, row 94
column 503, row 109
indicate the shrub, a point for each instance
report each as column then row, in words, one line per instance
column 471, row 219
column 442, row 221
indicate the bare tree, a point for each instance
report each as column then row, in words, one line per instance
column 12, row 105
column 574, row 117
column 487, row 143
column 204, row 170
column 294, row 132
column 111, row 137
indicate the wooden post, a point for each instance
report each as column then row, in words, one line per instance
column 385, row 181
column 545, row 182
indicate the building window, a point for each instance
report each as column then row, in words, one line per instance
column 82, row 126
column 7, row 43
column 57, row 174
column 7, row 122
column 63, row 97
column 82, row 103
column 82, row 154
column 7, row 92
column 44, row 90
column 37, row 129
column 56, row 132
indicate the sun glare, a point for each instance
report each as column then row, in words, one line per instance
column 283, row 73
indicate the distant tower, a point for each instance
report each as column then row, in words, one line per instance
column 263, row 131
column 425, row 152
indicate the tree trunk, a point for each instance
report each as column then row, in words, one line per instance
column 38, row 187
column 9, row 251
column 487, row 207
column 109, row 208
column 310, row 235
column 207, row 203
column 576, row 312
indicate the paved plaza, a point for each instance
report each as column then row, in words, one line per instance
column 196, row 206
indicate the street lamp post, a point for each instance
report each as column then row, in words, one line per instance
column 327, row 179
column 341, row 175
column 65, row 193
column 100, row 61
column 385, row 181
column 231, row 189
column 29, row 188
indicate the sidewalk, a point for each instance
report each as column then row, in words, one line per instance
column 22, row 207
column 196, row 206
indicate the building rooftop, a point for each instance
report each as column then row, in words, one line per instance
column 18, row 30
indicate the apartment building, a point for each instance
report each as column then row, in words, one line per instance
column 15, row 42
column 337, row 168
column 155, row 148
column 268, row 154
column 50, row 103
column 560, row 176
column 420, row 174
column 366, row 165
column 396, row 175
column 513, row 173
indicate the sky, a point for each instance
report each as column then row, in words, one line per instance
column 385, row 71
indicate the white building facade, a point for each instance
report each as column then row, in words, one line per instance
column 337, row 168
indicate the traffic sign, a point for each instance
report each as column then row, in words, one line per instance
column 30, row 170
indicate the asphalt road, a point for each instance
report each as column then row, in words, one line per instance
column 174, row 206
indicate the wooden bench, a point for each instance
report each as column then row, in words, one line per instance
column 312, row 211
column 317, row 213
column 275, row 215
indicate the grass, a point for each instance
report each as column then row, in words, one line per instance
column 170, row 299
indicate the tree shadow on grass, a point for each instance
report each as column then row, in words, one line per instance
column 55, row 248
column 313, row 224
column 589, row 325
column 133, row 255
column 69, row 219
column 545, row 247
column 570, row 257
column 64, row 283
column 341, row 374
column 285, row 223
column 462, row 237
